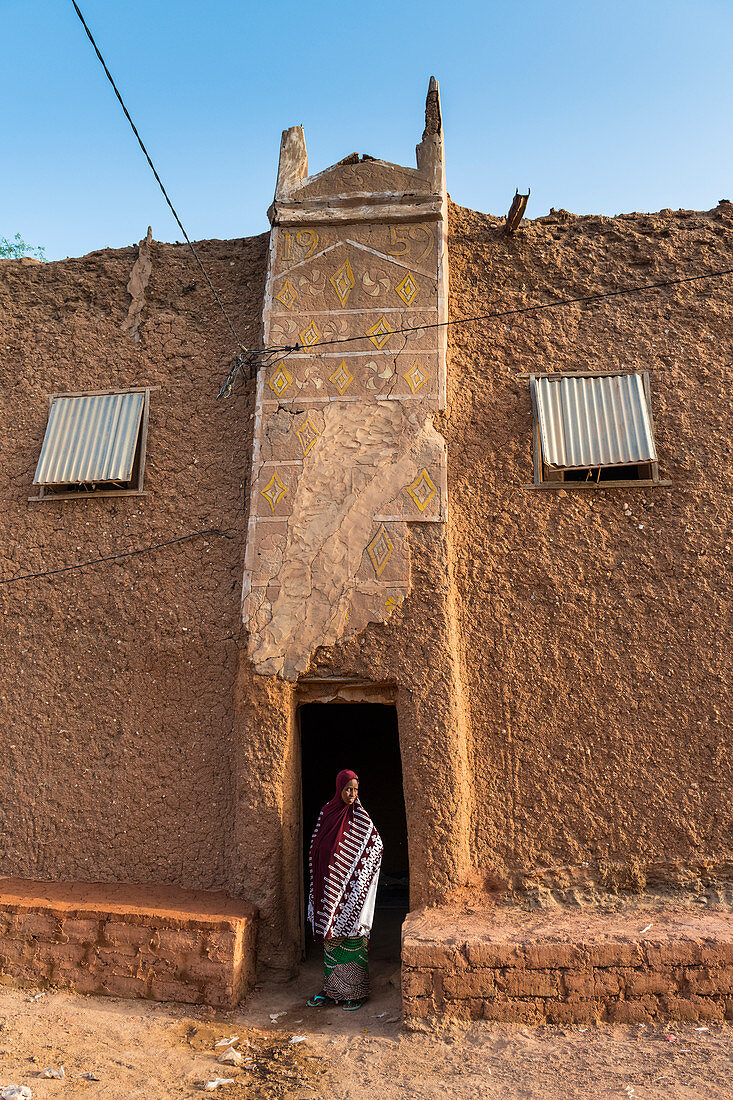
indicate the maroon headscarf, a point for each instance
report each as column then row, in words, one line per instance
column 333, row 820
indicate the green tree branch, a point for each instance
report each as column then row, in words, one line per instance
column 16, row 249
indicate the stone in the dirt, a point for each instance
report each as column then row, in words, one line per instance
column 16, row 1092
column 58, row 1074
column 230, row 1057
column 211, row 1085
column 227, row 1042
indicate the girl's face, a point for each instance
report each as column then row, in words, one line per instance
column 350, row 793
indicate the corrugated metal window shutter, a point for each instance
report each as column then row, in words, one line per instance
column 90, row 439
column 586, row 422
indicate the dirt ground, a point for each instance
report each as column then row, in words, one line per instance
column 141, row 1049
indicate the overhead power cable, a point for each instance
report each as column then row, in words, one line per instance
column 641, row 288
column 285, row 350
column 114, row 557
column 102, row 62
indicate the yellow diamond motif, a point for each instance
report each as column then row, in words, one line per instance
column 342, row 377
column 380, row 333
column 343, row 282
column 287, row 295
column 274, row 491
column 415, row 377
column 407, row 289
column 307, row 434
column 310, row 336
column 422, row 490
column 280, row 381
column 393, row 601
column 380, row 550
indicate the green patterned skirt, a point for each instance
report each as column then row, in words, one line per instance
column 346, row 968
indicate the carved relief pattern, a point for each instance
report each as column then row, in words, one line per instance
column 310, row 335
column 360, row 177
column 280, row 381
column 287, row 294
column 307, row 434
column 346, row 455
column 380, row 333
column 342, row 282
column 274, row 491
column 342, row 377
column 380, row 550
column 415, row 376
column 406, row 288
column 422, row 490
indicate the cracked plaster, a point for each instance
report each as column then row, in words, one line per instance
column 325, row 588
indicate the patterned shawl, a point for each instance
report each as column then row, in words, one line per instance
column 345, row 858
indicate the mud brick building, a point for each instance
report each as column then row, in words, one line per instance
column 485, row 564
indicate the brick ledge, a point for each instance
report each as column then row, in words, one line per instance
column 127, row 940
column 568, row 966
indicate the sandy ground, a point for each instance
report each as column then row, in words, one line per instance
column 160, row 1051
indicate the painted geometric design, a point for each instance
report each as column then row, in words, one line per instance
column 307, row 434
column 280, row 381
column 407, row 289
column 274, row 491
column 342, row 377
column 343, row 282
column 287, row 295
column 415, row 377
column 380, row 550
column 422, row 490
column 310, row 336
column 380, row 333
column 394, row 601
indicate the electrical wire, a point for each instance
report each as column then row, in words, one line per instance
column 251, row 361
column 160, row 182
column 114, row 557
column 287, row 350
column 512, row 312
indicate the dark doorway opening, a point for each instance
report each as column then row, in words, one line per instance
column 363, row 737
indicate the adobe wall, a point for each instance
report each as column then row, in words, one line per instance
column 117, row 679
column 592, row 626
column 595, row 626
column 580, row 651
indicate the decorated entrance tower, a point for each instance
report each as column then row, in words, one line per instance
column 345, row 452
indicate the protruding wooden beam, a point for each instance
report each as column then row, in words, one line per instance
column 516, row 211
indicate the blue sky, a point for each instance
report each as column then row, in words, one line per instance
column 600, row 108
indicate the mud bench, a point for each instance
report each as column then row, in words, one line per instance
column 126, row 940
column 565, row 967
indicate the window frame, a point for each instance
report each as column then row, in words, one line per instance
column 538, row 465
column 45, row 494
